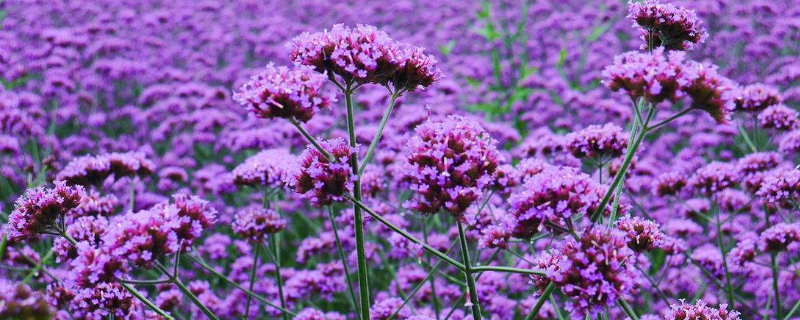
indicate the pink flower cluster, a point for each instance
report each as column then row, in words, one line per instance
column 598, row 142
column 39, row 209
column 667, row 25
column 323, row 180
column 272, row 168
column 93, row 169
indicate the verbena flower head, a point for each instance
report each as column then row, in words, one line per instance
column 700, row 311
column 271, row 168
column 365, row 54
column 325, row 181
column 19, row 301
column 778, row 117
column 655, row 76
column 294, row 94
column 710, row 91
column 642, row 234
column 593, row 272
column 674, row 28
column 448, row 164
column 714, row 177
column 757, row 97
column 94, row 169
column 758, row 162
column 598, row 142
column 255, row 223
column 87, row 229
column 669, row 183
column 779, row 186
column 778, row 237
column 40, row 208
column 790, row 142
column 555, row 194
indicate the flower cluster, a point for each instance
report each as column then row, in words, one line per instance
column 269, row 168
column 254, row 224
column 714, row 177
column 593, row 271
column 39, row 209
column 19, row 301
column 448, row 163
column 779, row 117
column 365, row 54
column 700, row 311
column 779, row 237
column 642, row 234
column 780, row 185
column 324, row 180
column 654, row 76
column 294, row 94
column 598, row 142
column 710, row 91
column 90, row 170
column 666, row 25
column 757, row 97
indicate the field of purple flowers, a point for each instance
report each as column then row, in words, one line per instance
column 402, row 159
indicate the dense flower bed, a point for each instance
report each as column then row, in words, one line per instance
column 418, row 160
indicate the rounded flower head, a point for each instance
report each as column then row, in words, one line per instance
column 271, row 168
column 700, row 311
column 255, row 223
column 710, row 91
column 324, row 180
column 655, row 76
column 19, row 301
column 40, row 208
column 447, row 165
column 671, row 27
column 552, row 195
column 778, row 117
column 365, row 54
column 780, row 186
column 790, row 142
column 757, row 97
column 714, row 177
column 669, row 183
column 593, row 271
column 91, row 170
column 778, row 237
column 642, row 234
column 598, row 142
column 294, row 94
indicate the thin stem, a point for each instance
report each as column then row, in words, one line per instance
column 278, row 279
column 668, row 120
column 146, row 301
column 405, row 234
column 377, row 138
column 509, row 270
column 186, row 292
column 38, row 267
column 311, row 139
column 539, row 303
column 774, row 263
column 363, row 275
column 258, row 297
column 434, row 298
column 723, row 251
column 421, row 283
column 791, row 312
column 132, row 194
column 618, row 192
column 353, row 299
column 627, row 308
column 747, row 139
column 252, row 279
column 473, row 292
column 144, row 282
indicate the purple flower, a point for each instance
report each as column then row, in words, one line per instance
column 39, row 209
column 314, row 314
column 593, row 272
column 19, row 301
column 781, row 185
column 757, row 97
column 92, row 170
column 642, row 234
column 790, row 142
column 758, row 162
column 555, row 194
column 669, row 183
column 323, row 180
column 84, row 229
column 255, row 223
column 655, row 76
column 778, row 117
column 674, row 28
column 598, row 142
column 710, row 91
column 448, row 164
column 714, row 177
column 778, row 237
column 271, row 168
column 293, row 94
column 699, row 311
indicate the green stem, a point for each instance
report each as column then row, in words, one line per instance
column 258, row 297
column 377, row 138
column 747, row 139
column 252, row 280
column 627, row 308
column 434, row 298
column 38, row 267
column 508, row 270
column 473, row 292
column 405, row 234
column 774, row 263
column 353, row 299
column 618, row 192
column 363, row 276
column 413, row 292
column 539, row 303
column 723, row 251
column 186, row 292
column 791, row 312
column 278, row 279
column 146, row 301
column 311, row 139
